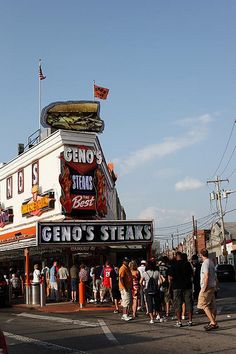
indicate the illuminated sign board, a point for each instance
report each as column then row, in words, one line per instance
column 82, row 181
column 38, row 204
column 95, row 232
column 73, row 115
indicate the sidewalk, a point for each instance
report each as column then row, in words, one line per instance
column 65, row 307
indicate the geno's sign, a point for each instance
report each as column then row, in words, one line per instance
column 95, row 232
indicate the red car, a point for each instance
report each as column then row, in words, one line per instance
column 3, row 345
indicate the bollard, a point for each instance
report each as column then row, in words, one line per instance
column 27, row 295
column 42, row 295
column 35, row 293
column 81, row 294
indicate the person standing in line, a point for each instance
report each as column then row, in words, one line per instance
column 136, row 286
column 125, row 286
column 164, row 290
column 142, row 306
column 83, row 278
column 206, row 299
column 53, row 282
column 152, row 280
column 74, row 275
column 95, row 274
column 180, row 278
column 115, row 288
column 63, row 275
column 196, row 276
column 106, row 282
column 46, row 278
column 36, row 274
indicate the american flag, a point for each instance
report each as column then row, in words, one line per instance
column 41, row 76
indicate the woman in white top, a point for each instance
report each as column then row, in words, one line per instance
column 152, row 280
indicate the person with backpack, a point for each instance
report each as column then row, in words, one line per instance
column 152, row 281
column 164, row 289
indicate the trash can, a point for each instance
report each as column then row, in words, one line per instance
column 35, row 291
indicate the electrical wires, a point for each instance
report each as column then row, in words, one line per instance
column 227, row 144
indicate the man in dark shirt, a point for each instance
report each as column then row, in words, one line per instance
column 181, row 273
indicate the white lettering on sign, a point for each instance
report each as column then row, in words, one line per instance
column 46, row 234
column 20, row 181
column 35, row 173
column 84, row 183
column 101, row 233
column 83, row 201
column 82, row 155
column 9, row 187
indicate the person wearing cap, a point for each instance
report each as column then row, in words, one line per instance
column 142, row 300
column 125, row 286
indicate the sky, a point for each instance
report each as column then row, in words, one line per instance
column 169, row 117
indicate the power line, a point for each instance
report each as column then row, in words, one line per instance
column 230, row 135
column 228, row 160
column 183, row 224
column 234, row 170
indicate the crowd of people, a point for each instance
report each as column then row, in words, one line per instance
column 163, row 289
column 158, row 287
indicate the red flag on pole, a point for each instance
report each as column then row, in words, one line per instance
column 41, row 76
column 100, row 92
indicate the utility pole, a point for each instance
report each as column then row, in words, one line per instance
column 219, row 197
column 178, row 238
column 194, row 235
column 172, row 242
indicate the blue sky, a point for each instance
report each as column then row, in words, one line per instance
column 171, row 70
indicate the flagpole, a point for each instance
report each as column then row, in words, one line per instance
column 93, row 90
column 39, row 99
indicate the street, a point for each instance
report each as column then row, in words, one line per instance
column 31, row 331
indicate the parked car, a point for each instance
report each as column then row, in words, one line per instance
column 225, row 272
column 4, row 291
column 3, row 345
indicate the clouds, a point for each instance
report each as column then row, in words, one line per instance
column 164, row 216
column 188, row 183
column 197, row 129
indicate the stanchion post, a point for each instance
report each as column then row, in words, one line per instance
column 42, row 294
column 27, row 277
column 81, row 294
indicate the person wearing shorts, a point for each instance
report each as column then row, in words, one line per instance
column 53, row 282
column 180, row 278
column 125, row 286
column 206, row 298
column 106, row 282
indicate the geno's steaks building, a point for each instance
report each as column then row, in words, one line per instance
column 58, row 197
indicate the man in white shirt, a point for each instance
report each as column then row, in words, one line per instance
column 142, row 301
column 206, row 298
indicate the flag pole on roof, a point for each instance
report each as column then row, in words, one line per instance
column 40, row 78
column 93, row 90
